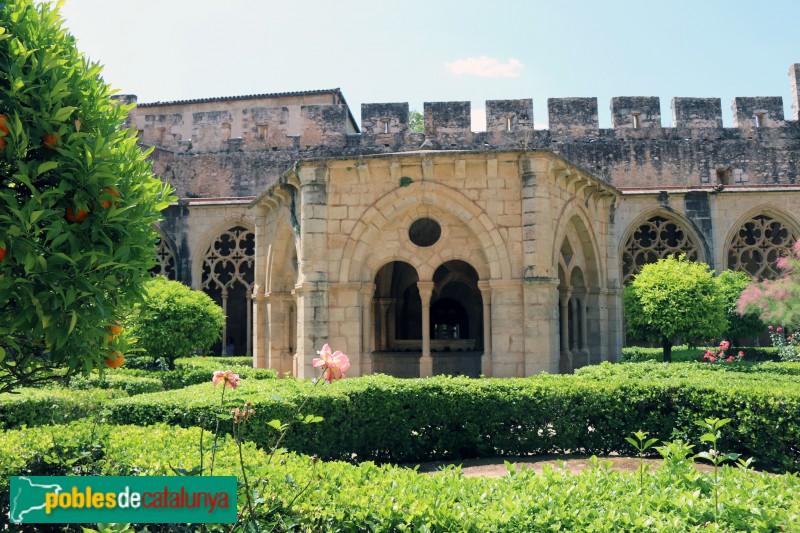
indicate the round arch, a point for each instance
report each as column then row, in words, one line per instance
column 440, row 198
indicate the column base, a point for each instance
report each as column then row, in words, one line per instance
column 486, row 365
column 425, row 366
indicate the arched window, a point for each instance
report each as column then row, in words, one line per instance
column 228, row 278
column 758, row 244
column 165, row 258
column 652, row 240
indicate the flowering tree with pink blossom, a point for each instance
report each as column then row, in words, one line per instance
column 776, row 301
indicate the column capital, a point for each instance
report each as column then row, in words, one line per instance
column 425, row 291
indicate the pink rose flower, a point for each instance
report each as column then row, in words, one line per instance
column 730, row 359
column 741, row 355
column 779, row 329
column 335, row 364
column 227, row 376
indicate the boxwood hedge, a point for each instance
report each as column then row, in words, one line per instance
column 35, row 407
column 393, row 420
column 366, row 497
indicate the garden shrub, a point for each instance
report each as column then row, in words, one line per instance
column 638, row 354
column 211, row 364
column 130, row 384
column 174, row 321
column 36, row 407
column 344, row 497
column 387, row 419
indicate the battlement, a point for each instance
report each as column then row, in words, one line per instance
column 313, row 120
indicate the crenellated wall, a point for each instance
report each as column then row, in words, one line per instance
column 237, row 146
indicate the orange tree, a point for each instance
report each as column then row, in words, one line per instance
column 78, row 201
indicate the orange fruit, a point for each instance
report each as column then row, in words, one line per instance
column 116, row 359
column 2, row 143
column 2, row 253
column 113, row 192
column 72, row 216
column 115, row 329
column 51, row 140
column 3, row 125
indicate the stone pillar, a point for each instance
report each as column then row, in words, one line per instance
column 584, row 344
column 383, row 306
column 565, row 361
column 225, row 325
column 540, row 325
column 573, row 306
column 312, row 286
column 597, row 323
column 426, row 361
column 367, row 334
column 487, row 358
column 260, row 320
column 312, row 325
column 508, row 328
column 390, row 330
column 261, row 328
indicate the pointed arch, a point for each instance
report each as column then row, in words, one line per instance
column 657, row 234
column 757, row 239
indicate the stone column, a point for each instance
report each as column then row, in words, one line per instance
column 487, row 358
column 383, row 306
column 390, row 330
column 426, row 361
column 261, row 331
column 584, row 344
column 312, row 325
column 573, row 305
column 367, row 334
column 565, row 363
column 225, row 325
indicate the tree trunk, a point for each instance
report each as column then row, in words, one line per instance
column 666, row 345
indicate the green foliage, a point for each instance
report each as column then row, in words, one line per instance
column 212, row 364
column 367, row 497
column 113, row 380
column 416, row 122
column 63, row 281
column 36, row 407
column 638, row 354
column 731, row 285
column 387, row 419
column 671, row 298
column 173, row 320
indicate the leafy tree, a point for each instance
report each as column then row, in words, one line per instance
column 674, row 297
column 173, row 320
column 77, row 203
column 416, row 122
column 731, row 285
column 776, row 301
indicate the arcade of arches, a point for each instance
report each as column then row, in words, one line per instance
column 495, row 264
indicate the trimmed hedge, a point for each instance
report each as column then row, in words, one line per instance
column 240, row 365
column 638, row 354
column 133, row 385
column 386, row 419
column 36, row 407
column 343, row 497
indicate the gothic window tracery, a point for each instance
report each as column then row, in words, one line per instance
column 652, row 240
column 228, row 276
column 165, row 261
column 758, row 244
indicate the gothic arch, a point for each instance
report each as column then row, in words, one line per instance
column 227, row 274
column 166, row 262
column 436, row 198
column 656, row 235
column 585, row 243
column 757, row 239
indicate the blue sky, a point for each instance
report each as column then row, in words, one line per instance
column 438, row 50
